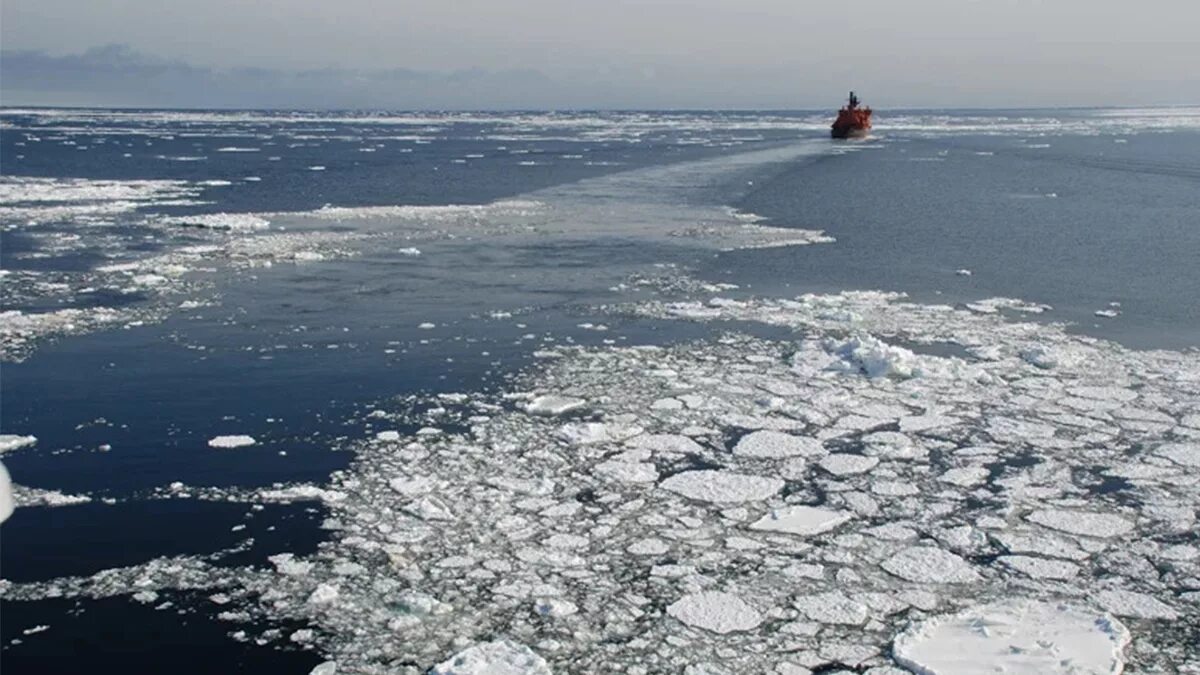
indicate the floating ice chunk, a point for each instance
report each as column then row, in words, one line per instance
column 1040, row 356
column 324, row 668
column 965, row 476
column 501, row 657
column 410, row 251
column 426, row 326
column 555, row 608
column 1134, row 604
column 324, row 594
column 286, row 564
column 1041, row 568
column 1183, row 454
column 6, row 494
column 587, row 433
column 1081, row 522
column 430, row 508
column 237, row 441
column 9, row 442
column 1041, row 544
column 927, row 564
column 1015, row 636
column 648, row 546
column 773, row 444
column 845, row 464
column 666, row 444
column 233, row 222
column 553, row 404
column 715, row 611
column 722, row 486
column 872, row 357
column 832, row 607
column 892, row 445
column 994, row 305
column 1107, row 313
column 963, row 272
column 630, row 472
column 389, row 435
column 801, row 520
column 411, row 487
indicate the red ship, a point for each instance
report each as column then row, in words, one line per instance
column 852, row 121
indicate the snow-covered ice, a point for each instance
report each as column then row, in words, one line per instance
column 1015, row 636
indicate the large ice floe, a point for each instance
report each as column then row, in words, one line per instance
column 837, row 501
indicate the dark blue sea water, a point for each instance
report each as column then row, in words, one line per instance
column 279, row 274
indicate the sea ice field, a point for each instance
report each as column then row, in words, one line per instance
column 644, row 392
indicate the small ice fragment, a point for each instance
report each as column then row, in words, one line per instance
column 1107, row 313
column 6, row 494
column 389, row 435
column 715, row 611
column 551, row 405
column 426, row 326
column 963, row 272
column 410, row 251
column 237, row 441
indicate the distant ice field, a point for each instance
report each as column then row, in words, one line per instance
column 681, row 392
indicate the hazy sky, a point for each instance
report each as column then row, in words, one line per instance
column 713, row 53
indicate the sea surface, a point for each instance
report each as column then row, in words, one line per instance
column 440, row 298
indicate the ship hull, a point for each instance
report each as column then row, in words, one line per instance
column 854, row 132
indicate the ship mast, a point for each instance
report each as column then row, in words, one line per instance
column 853, row 101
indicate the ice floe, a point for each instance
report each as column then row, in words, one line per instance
column 722, row 486
column 928, row 512
column 801, row 520
column 234, row 441
column 501, row 657
column 715, row 611
column 1015, row 636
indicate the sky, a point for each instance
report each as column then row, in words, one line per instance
column 599, row 53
